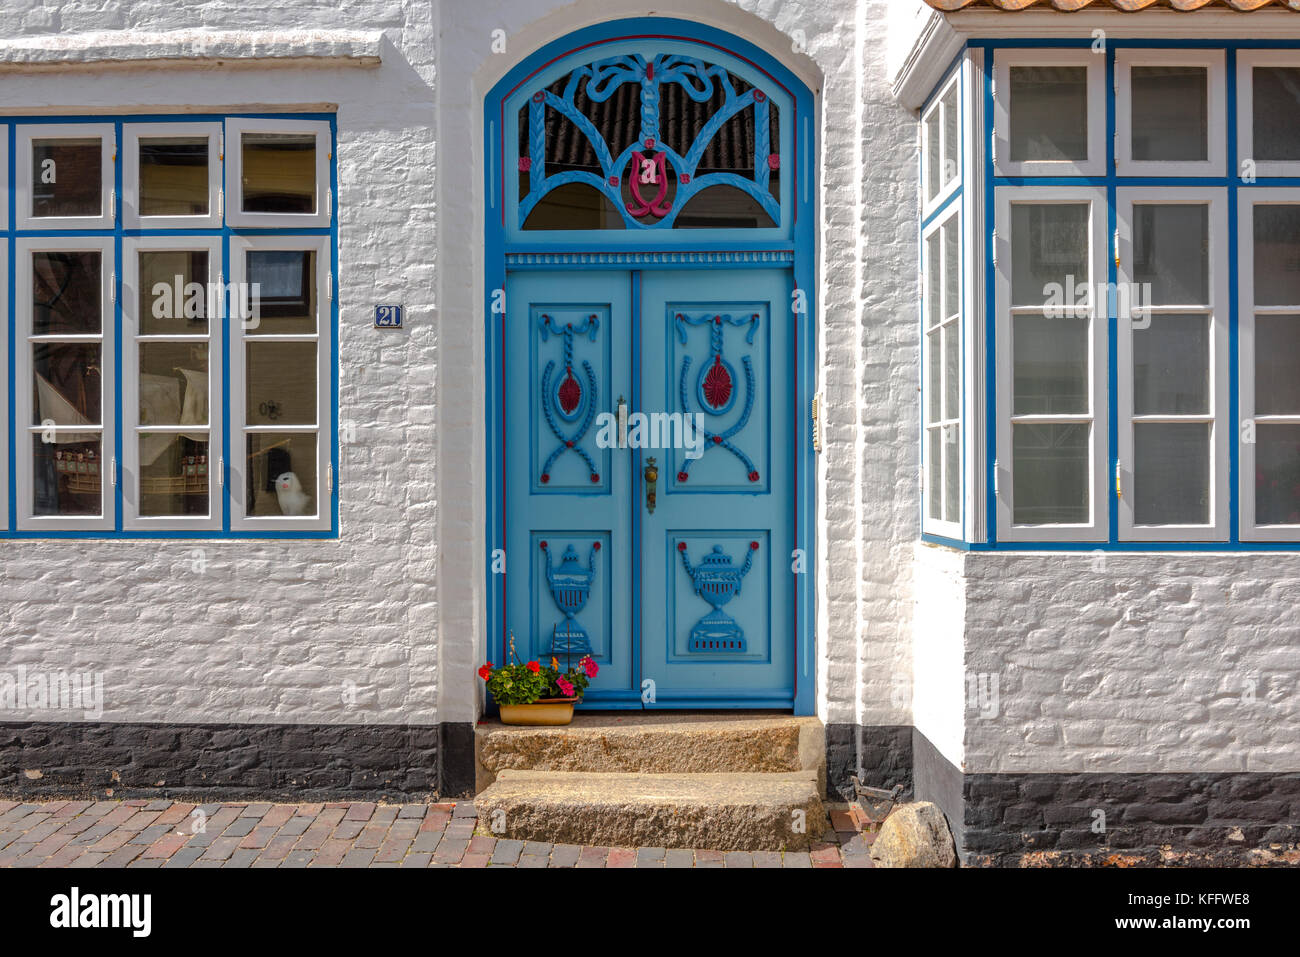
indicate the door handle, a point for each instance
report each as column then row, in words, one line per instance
column 651, row 476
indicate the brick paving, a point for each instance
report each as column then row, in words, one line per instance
column 172, row 834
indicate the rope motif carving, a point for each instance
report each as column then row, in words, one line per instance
column 569, row 397
column 716, row 385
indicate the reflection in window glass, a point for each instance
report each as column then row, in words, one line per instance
column 1049, row 247
column 1049, row 113
column 67, row 295
column 1277, row 365
column 279, row 172
column 173, row 176
column 1171, row 473
column 1050, row 359
column 1277, row 475
column 1275, row 102
column 67, row 177
column 1171, row 366
column 1277, row 255
column 67, row 384
column 281, row 386
column 172, row 291
column 284, row 282
column 280, row 474
column 173, row 383
column 174, row 471
column 1171, row 252
column 1170, row 113
column 67, row 474
column 1051, row 466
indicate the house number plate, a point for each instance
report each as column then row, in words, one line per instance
column 388, row 317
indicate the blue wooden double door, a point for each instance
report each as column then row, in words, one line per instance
column 648, row 455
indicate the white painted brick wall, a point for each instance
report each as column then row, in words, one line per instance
column 1120, row 662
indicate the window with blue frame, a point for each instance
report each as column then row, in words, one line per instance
column 1146, row 342
column 172, row 326
column 942, row 343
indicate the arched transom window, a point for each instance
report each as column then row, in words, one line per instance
column 646, row 136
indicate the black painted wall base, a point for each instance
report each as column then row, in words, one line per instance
column 1113, row 818
column 881, row 756
column 231, row 761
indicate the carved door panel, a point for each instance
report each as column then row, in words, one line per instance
column 718, row 618
column 567, row 357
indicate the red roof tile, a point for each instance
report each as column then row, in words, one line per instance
column 1127, row 5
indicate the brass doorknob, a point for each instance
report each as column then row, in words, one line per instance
column 651, row 475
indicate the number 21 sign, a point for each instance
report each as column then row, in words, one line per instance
column 388, row 317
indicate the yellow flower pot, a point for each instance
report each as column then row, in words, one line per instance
column 547, row 711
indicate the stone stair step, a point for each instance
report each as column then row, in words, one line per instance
column 713, row 811
column 655, row 742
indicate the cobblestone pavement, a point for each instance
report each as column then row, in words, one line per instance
column 355, row 834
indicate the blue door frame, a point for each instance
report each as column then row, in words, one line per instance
column 790, row 246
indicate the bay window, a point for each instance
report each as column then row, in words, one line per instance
column 173, row 351
column 1131, row 303
column 942, row 387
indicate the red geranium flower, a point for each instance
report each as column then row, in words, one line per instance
column 534, row 667
column 565, row 687
column 485, row 671
column 590, row 667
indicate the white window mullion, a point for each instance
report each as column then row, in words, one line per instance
column 1048, row 159
column 194, row 347
column 1264, row 481
column 1128, row 160
column 245, row 210
column 283, row 438
column 1013, row 525
column 67, row 487
column 1170, row 318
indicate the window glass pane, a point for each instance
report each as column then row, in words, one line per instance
column 281, row 388
column 173, row 294
column 1277, row 365
column 173, row 383
column 1049, row 113
column 1170, row 112
column 1171, row 366
column 67, row 297
column 279, row 172
column 934, row 347
column 1277, row 255
column 67, row 177
column 950, row 135
column 1049, row 246
column 173, row 473
column 934, row 279
column 67, row 384
column 952, row 473
column 280, row 476
column 951, row 371
column 1050, row 360
column 1051, row 473
column 283, row 282
column 935, row 463
column 1277, row 475
column 1171, row 473
column 174, row 176
column 1171, row 251
column 933, row 158
column 66, row 474
column 951, row 270
column 1276, row 106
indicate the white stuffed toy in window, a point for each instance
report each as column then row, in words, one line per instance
column 288, row 492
